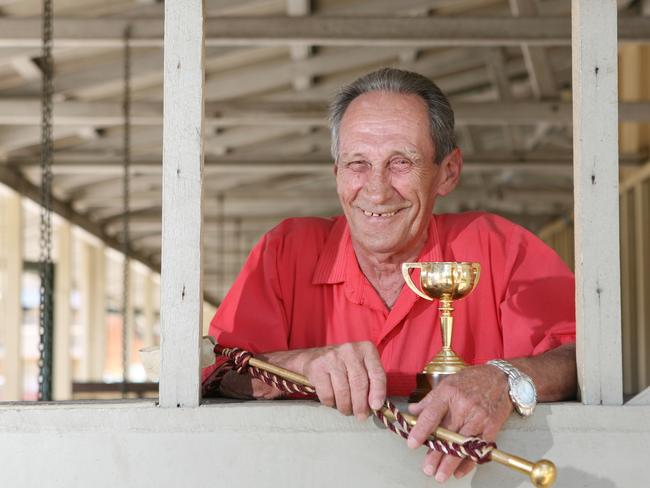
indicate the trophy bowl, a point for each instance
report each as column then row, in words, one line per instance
column 444, row 281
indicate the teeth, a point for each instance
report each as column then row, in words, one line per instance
column 372, row 214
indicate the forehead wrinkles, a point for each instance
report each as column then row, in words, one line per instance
column 374, row 151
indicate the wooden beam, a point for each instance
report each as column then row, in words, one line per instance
column 98, row 344
column 182, row 209
column 25, row 112
column 62, row 387
column 642, row 285
column 596, row 215
column 13, row 179
column 149, row 309
column 322, row 31
column 277, row 74
column 11, row 264
column 147, row 169
column 299, row 52
column 540, row 73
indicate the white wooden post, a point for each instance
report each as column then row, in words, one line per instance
column 595, row 159
column 11, row 270
column 182, row 206
column 129, row 327
column 99, row 340
column 86, row 283
column 63, row 314
column 148, row 310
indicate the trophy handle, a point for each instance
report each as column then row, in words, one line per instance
column 406, row 268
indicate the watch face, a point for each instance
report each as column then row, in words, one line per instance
column 524, row 391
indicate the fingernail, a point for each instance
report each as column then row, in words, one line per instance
column 376, row 404
column 440, row 477
column 428, row 470
column 412, row 443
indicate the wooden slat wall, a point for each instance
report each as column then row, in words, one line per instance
column 635, row 274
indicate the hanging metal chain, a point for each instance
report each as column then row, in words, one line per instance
column 126, row 282
column 45, row 260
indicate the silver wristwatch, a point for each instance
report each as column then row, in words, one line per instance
column 521, row 388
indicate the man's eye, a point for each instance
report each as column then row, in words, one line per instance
column 357, row 165
column 400, row 163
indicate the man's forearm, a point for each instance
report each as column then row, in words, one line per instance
column 243, row 387
column 554, row 373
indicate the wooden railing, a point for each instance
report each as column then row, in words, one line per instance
column 95, row 390
column 635, row 273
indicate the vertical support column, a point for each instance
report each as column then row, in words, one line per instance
column 99, row 337
column 129, row 330
column 595, row 159
column 641, row 286
column 149, row 311
column 86, row 280
column 182, row 206
column 11, row 270
column 62, row 384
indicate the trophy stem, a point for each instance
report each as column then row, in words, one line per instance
column 444, row 281
column 444, row 363
column 446, row 321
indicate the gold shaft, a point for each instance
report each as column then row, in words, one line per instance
column 446, row 321
column 541, row 473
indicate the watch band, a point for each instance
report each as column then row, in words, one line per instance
column 516, row 378
column 506, row 367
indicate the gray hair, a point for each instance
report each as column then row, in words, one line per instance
column 441, row 116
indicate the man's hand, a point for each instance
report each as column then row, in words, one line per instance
column 473, row 402
column 349, row 377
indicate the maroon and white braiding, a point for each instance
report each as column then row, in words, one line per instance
column 473, row 448
column 239, row 363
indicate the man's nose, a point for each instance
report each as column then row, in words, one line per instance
column 378, row 186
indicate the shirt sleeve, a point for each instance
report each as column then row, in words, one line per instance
column 538, row 310
column 251, row 316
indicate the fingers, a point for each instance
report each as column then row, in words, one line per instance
column 431, row 462
column 376, row 377
column 341, row 387
column 359, row 381
column 450, row 464
column 349, row 377
column 466, row 467
column 430, row 410
column 323, row 385
column 434, row 460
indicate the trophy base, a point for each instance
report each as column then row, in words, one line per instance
column 445, row 363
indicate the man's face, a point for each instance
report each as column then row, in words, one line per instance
column 386, row 176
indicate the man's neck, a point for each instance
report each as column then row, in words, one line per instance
column 384, row 270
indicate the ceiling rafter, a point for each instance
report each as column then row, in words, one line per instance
column 322, row 31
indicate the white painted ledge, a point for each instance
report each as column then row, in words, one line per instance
column 293, row 444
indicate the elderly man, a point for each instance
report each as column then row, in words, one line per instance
column 326, row 297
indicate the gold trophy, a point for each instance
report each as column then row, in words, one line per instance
column 446, row 282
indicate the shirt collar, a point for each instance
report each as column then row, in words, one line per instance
column 332, row 263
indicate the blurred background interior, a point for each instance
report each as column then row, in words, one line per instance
column 266, row 158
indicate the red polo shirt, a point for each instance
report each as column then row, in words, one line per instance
column 302, row 287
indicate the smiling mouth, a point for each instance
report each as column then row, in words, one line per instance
column 373, row 214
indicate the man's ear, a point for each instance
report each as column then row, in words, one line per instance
column 450, row 168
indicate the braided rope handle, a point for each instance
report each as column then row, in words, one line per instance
column 474, row 448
